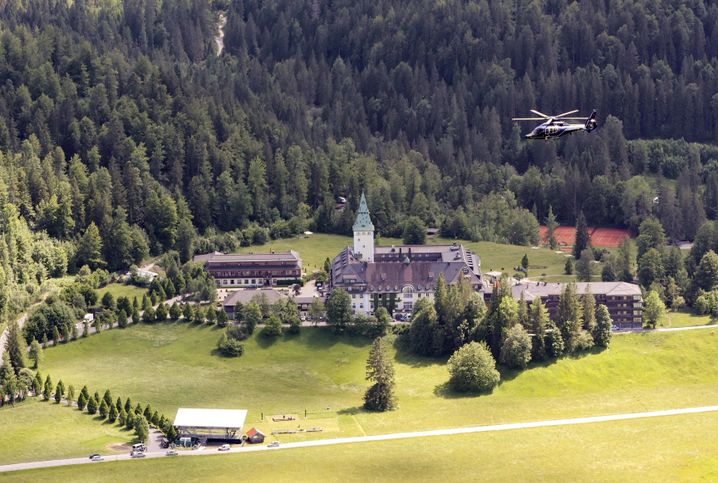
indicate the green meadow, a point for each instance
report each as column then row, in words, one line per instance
column 173, row 365
column 676, row 448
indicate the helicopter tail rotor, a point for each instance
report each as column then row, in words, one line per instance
column 591, row 122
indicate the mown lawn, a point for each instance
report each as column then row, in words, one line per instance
column 316, row 248
column 677, row 448
column 686, row 319
column 37, row 429
column 172, row 365
column 122, row 290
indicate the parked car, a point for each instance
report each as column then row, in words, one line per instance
column 273, row 444
column 172, row 452
column 139, row 447
column 224, row 447
column 137, row 454
column 96, row 457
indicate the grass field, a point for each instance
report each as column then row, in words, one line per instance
column 173, row 365
column 314, row 249
column 122, row 290
column 637, row 450
column 35, row 429
column 686, row 319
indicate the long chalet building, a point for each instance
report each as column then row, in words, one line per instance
column 623, row 300
column 251, row 270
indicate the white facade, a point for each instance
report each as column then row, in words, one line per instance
column 364, row 244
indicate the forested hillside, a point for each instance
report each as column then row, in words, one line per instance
column 122, row 132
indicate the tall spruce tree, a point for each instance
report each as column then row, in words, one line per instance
column 583, row 239
column 380, row 369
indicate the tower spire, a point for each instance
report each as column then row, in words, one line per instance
column 363, row 220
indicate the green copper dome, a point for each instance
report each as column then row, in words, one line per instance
column 363, row 221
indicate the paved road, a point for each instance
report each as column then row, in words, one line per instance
column 379, row 437
column 667, row 329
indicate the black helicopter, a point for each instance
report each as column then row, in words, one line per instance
column 555, row 126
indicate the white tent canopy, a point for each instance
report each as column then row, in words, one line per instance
column 210, row 418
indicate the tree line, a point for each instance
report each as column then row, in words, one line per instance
column 123, row 134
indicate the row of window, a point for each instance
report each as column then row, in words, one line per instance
column 247, row 281
column 256, row 273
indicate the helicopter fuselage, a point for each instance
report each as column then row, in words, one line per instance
column 554, row 130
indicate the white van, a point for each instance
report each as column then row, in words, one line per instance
column 139, row 447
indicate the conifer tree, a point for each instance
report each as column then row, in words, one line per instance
column 602, row 332
column 92, row 405
column 47, row 390
column 583, row 239
column 16, row 347
column 36, row 353
column 380, row 370
column 539, row 321
column 59, row 392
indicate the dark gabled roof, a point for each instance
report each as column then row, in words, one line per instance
column 399, row 266
column 531, row 290
column 235, row 258
column 248, row 295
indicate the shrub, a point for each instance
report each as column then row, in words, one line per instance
column 516, row 349
column 473, row 369
column 229, row 346
column 272, row 328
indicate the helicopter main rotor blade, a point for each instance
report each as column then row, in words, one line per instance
column 528, row 119
column 540, row 114
column 574, row 118
column 567, row 113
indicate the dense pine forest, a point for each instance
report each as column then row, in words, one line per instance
column 124, row 131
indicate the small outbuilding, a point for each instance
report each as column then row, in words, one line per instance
column 210, row 424
column 255, row 436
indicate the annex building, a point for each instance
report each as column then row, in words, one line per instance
column 623, row 300
column 252, row 269
column 397, row 277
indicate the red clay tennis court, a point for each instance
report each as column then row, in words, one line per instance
column 600, row 236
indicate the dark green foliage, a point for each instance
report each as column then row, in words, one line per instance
column 602, row 330
column 142, row 428
column 59, row 391
column 81, row 402
column 47, row 320
column 379, row 369
column 272, row 327
column 251, row 316
column 568, row 267
column 583, row 239
column 47, row 389
column 229, row 346
column 122, row 319
column 414, row 231
column 103, row 409
column 92, row 405
column 516, row 348
column 17, row 348
column 175, row 311
column 112, row 414
column 473, row 369
column 339, row 309
column 161, row 313
column 130, row 420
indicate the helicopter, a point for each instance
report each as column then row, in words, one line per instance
column 555, row 126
